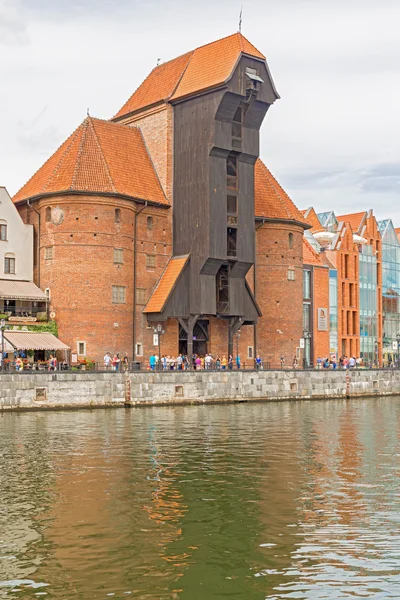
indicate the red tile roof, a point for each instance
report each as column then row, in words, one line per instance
column 98, row 157
column 354, row 219
column 166, row 284
column 310, row 257
column 270, row 199
column 201, row 69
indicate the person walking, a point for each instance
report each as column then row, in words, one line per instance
column 218, row 362
column 258, row 362
column 230, row 362
column 107, row 360
column 152, row 362
column 125, row 362
column 238, row 362
column 223, row 363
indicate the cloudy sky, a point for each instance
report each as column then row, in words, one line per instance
column 332, row 140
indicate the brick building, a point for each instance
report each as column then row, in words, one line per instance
column 165, row 214
column 352, row 247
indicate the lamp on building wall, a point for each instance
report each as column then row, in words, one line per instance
column 2, row 328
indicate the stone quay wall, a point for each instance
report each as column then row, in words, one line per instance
column 96, row 389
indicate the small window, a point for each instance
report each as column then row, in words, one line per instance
column 290, row 241
column 118, row 294
column 231, row 241
column 306, row 284
column 81, row 348
column 139, row 350
column 250, row 353
column 291, row 275
column 3, row 232
column 231, row 205
column 9, row 265
column 141, row 295
column 150, row 260
column 231, row 172
column 48, row 214
column 117, row 215
column 118, row 256
column 149, row 223
column 48, row 253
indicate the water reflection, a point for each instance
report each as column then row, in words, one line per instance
column 288, row 500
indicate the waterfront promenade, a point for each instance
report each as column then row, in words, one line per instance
column 41, row 390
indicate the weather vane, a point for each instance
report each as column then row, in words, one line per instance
column 240, row 19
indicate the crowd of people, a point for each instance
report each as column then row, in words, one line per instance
column 115, row 363
column 206, row 362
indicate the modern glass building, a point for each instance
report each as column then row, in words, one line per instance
column 368, row 304
column 333, row 313
column 390, row 290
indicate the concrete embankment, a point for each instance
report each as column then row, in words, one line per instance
column 91, row 389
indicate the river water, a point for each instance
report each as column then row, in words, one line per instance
column 243, row 501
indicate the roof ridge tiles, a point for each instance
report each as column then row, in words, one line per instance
column 102, row 155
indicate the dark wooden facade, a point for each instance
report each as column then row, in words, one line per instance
column 216, row 143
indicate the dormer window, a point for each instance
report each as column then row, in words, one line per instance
column 253, row 83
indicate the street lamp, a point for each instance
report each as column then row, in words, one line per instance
column 306, row 336
column 2, row 327
column 158, row 331
column 237, row 349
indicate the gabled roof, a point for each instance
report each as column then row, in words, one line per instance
column 100, row 157
column 201, row 69
column 312, row 219
column 270, row 199
column 166, row 284
column 355, row 219
column 310, row 257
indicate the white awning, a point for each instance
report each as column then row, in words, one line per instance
column 21, row 290
column 30, row 340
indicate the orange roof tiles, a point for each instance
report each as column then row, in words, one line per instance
column 98, row 157
column 354, row 219
column 311, row 217
column 166, row 284
column 310, row 257
column 206, row 67
column 270, row 199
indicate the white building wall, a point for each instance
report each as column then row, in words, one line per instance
column 19, row 240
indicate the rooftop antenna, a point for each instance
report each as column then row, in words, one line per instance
column 87, row 112
column 240, row 19
column 158, row 61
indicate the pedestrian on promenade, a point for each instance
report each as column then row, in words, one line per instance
column 223, row 363
column 107, row 360
column 179, row 362
column 198, row 363
column 352, row 362
column 52, row 363
column 125, row 361
column 230, row 362
column 319, row 362
column 19, row 365
column 282, row 361
column 258, row 362
column 152, row 362
column 238, row 362
column 218, row 362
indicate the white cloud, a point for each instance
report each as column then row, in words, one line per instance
column 334, row 62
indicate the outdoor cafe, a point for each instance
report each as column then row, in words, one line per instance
column 34, row 349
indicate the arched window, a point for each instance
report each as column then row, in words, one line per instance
column 9, row 264
column 118, row 215
column 149, row 223
column 48, row 214
column 290, row 240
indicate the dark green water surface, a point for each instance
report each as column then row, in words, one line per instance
column 246, row 501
